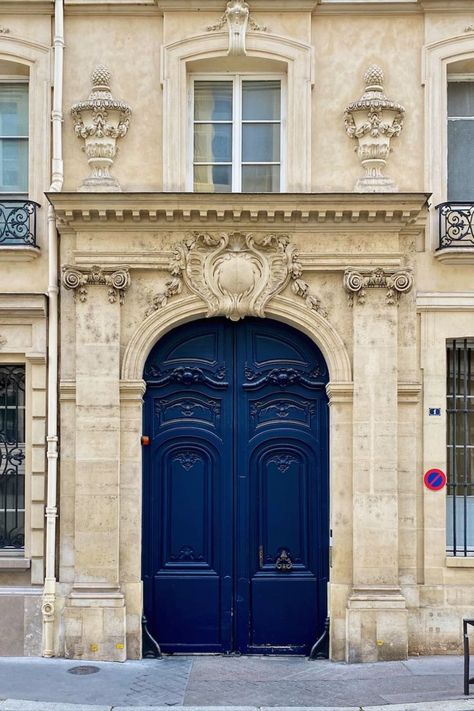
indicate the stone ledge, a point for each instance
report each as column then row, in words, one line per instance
column 456, row 562
column 19, row 253
column 13, row 563
column 386, row 212
column 455, row 255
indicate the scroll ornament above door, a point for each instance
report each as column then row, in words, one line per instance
column 235, row 274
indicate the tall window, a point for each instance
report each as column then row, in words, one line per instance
column 14, row 138
column 237, row 135
column 12, row 457
column 460, row 442
column 460, row 140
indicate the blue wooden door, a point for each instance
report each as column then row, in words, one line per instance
column 235, row 499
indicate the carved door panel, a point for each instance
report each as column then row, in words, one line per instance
column 235, row 538
column 282, row 494
column 188, row 498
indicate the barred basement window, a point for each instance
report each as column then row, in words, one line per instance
column 12, row 457
column 460, row 443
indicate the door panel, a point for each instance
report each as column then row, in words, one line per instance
column 235, row 489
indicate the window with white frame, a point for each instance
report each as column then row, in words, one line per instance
column 460, row 138
column 14, row 138
column 237, row 134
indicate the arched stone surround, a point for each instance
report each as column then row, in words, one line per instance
column 339, row 389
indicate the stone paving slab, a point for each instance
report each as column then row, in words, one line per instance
column 453, row 705
column 27, row 705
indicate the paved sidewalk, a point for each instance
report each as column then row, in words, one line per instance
column 243, row 683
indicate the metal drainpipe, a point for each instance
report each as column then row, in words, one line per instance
column 49, row 593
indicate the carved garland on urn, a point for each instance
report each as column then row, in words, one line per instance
column 79, row 278
column 235, row 274
column 396, row 281
column 374, row 120
column 100, row 120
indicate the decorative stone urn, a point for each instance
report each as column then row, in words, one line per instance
column 373, row 120
column 100, row 120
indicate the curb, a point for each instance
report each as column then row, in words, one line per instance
column 461, row 704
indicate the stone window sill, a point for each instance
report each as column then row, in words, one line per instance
column 455, row 255
column 18, row 253
column 455, row 562
column 12, row 563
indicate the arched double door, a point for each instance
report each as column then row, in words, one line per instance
column 235, row 498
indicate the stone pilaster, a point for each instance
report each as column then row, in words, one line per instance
column 376, row 616
column 95, row 610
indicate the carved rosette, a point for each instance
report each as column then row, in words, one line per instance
column 100, row 121
column 374, row 120
column 236, row 274
column 238, row 20
column 79, row 278
column 396, row 281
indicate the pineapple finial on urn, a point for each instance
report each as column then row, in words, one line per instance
column 100, row 120
column 374, row 120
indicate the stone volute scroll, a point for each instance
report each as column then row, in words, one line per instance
column 117, row 279
column 235, row 274
column 100, row 120
column 395, row 281
column 374, row 120
column 238, row 20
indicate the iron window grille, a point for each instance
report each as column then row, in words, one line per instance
column 12, row 457
column 460, row 446
column 18, row 222
column 456, row 224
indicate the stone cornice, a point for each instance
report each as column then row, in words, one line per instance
column 341, row 211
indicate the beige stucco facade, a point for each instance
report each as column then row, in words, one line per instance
column 377, row 297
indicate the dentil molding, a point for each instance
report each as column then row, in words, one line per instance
column 235, row 273
column 79, row 278
column 396, row 281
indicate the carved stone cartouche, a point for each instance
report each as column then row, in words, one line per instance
column 235, row 274
column 373, row 120
column 100, row 120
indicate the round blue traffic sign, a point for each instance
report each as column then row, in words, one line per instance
column 434, row 479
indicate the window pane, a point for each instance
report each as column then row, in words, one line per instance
column 260, row 178
column 213, row 143
column 461, row 160
column 261, row 100
column 461, row 98
column 13, row 109
column 213, row 100
column 13, row 165
column 213, row 178
column 261, row 142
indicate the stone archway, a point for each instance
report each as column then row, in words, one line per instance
column 189, row 308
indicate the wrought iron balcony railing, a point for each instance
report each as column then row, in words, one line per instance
column 456, row 224
column 18, row 223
